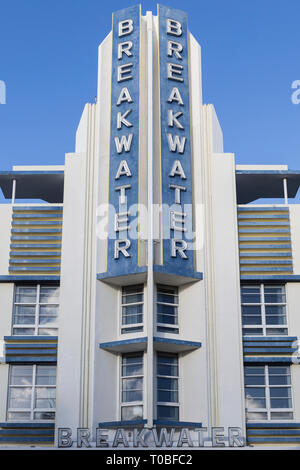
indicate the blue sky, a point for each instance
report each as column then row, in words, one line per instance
column 48, row 60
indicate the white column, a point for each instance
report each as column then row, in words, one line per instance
column 150, row 281
column 13, row 191
column 285, row 191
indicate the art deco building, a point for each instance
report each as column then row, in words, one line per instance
column 145, row 283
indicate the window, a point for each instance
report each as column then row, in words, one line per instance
column 264, row 310
column 31, row 393
column 268, row 393
column 132, row 387
column 35, row 310
column 167, row 387
column 167, row 309
column 132, row 308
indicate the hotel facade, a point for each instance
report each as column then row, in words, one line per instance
column 148, row 295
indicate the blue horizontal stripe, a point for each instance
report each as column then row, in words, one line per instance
column 177, row 424
column 267, row 440
column 268, row 350
column 195, row 344
column 263, row 216
column 261, row 269
column 264, row 230
column 266, row 359
column 117, row 424
column 38, row 216
column 273, row 432
column 9, row 424
column 266, row 246
column 37, row 208
column 31, row 268
column 36, row 230
column 123, row 342
column 272, row 425
column 35, row 238
column 266, row 261
column 31, row 351
column 27, row 432
column 30, row 359
column 36, row 245
column 267, row 239
column 266, row 344
column 37, row 223
column 33, row 439
column 29, row 278
column 34, row 261
column 258, row 254
column 259, row 224
column 271, row 338
column 263, row 209
column 271, row 277
column 35, row 253
column 30, row 338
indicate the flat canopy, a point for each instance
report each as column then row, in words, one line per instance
column 256, row 184
column 45, row 185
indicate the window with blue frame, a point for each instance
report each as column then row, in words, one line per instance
column 167, row 387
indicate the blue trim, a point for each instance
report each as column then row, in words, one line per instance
column 108, row 275
column 266, row 239
column 283, row 246
column 36, row 230
column 267, row 359
column 34, row 261
column 36, row 222
column 28, row 173
column 30, row 359
column 30, row 338
column 267, row 172
column 158, row 268
column 286, row 339
column 273, row 254
column 123, row 342
column 264, row 230
column 272, row 425
column 37, row 216
column 35, row 238
column 27, row 432
column 271, row 277
column 33, row 439
column 31, row 349
column 267, row 440
column 273, row 432
column 120, row 424
column 262, row 269
column 266, row 261
column 37, row 208
column 268, row 350
column 252, row 223
column 30, row 268
column 262, row 209
column 35, row 253
column 25, row 425
column 177, row 424
column 158, row 339
column 263, row 216
column 28, row 278
column 36, row 245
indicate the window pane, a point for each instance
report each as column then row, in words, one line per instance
column 255, row 415
column 21, row 375
column 132, row 365
column 48, row 331
column 281, row 403
column 46, row 375
column 24, row 315
column 20, row 397
column 254, row 375
column 282, row 415
column 167, row 365
column 276, row 331
column 168, row 412
column 45, row 397
column 48, row 314
column 255, row 398
column 18, row 415
column 274, row 294
column 44, row 415
column 23, row 331
column 26, row 295
column 252, row 331
column 129, row 413
column 49, row 295
column 132, row 389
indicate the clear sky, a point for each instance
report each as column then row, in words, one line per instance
column 250, row 57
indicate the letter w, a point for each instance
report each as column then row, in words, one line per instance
column 124, row 143
column 177, row 143
column 163, row 436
